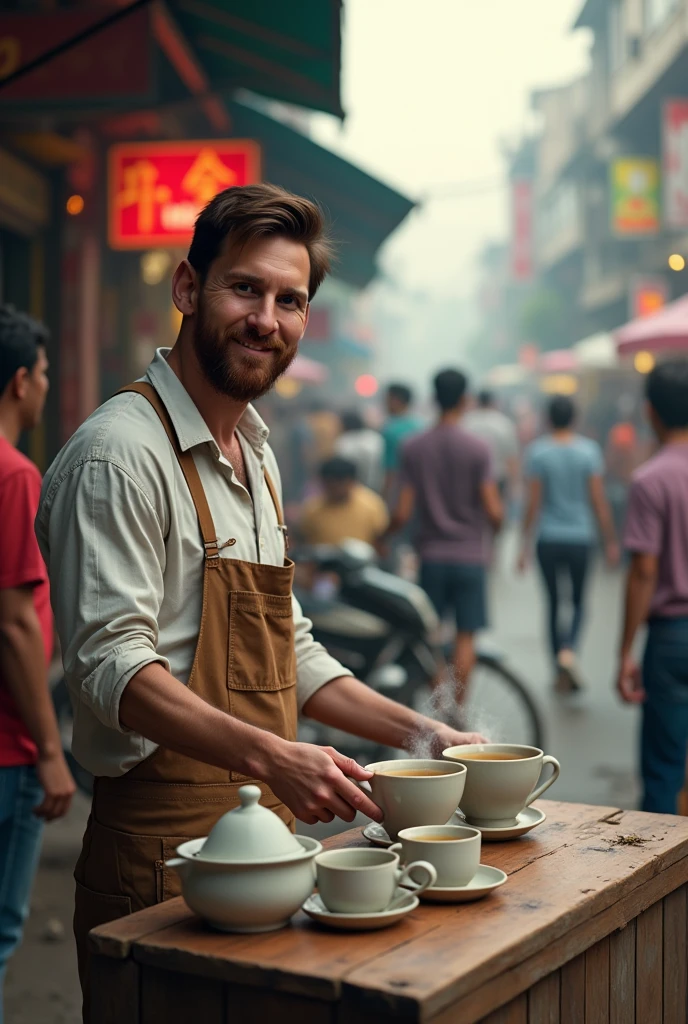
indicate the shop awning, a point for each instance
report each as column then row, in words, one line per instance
column 363, row 212
column 596, row 352
column 562, row 360
column 663, row 331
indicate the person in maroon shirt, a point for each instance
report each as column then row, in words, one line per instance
column 35, row 783
column 656, row 536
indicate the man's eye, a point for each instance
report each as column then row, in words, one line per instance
column 244, row 288
column 288, row 300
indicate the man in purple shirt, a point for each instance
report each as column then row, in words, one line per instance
column 657, row 592
column 446, row 476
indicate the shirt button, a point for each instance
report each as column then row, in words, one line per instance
column 262, row 545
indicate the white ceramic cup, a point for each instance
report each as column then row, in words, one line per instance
column 497, row 791
column 453, row 851
column 364, row 881
column 409, row 800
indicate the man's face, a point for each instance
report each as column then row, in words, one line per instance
column 251, row 313
column 337, row 492
column 32, row 391
column 395, row 407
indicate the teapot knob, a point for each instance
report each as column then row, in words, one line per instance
column 249, row 795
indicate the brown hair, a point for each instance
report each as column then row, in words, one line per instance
column 253, row 211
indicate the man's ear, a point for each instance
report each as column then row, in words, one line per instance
column 185, row 288
column 20, row 383
column 305, row 319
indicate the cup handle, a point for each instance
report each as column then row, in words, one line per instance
column 547, row 759
column 404, row 877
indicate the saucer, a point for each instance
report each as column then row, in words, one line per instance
column 404, row 902
column 376, row 834
column 483, row 882
column 527, row 819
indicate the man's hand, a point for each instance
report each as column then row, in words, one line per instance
column 58, row 787
column 612, row 553
column 444, row 736
column 629, row 681
column 523, row 562
column 315, row 782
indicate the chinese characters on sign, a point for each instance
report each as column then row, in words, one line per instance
column 521, row 229
column 675, row 145
column 634, row 196
column 158, row 189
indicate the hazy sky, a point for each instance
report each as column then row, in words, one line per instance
column 431, row 89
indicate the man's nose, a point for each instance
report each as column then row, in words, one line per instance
column 263, row 318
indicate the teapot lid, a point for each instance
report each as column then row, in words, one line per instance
column 250, row 832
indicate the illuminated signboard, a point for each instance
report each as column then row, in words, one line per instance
column 157, row 189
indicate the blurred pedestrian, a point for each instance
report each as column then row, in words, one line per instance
column 35, row 783
column 565, row 494
column 346, row 509
column 363, row 446
column 499, row 433
column 446, row 477
column 656, row 536
column 399, row 425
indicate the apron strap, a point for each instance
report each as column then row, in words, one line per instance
column 278, row 509
column 188, row 467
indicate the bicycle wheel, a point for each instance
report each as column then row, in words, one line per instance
column 500, row 706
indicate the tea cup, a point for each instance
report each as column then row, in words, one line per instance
column 500, row 780
column 413, row 791
column 364, row 881
column 453, row 851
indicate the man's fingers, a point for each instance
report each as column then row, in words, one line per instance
column 357, row 799
column 347, row 765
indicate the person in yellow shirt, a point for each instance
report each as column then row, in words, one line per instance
column 346, row 509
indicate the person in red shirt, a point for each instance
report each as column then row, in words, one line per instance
column 35, row 782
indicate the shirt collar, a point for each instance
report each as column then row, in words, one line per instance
column 189, row 425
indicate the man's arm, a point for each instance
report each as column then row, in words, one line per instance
column 404, row 509
column 533, row 500
column 600, row 505
column 492, row 503
column 22, row 669
column 640, row 587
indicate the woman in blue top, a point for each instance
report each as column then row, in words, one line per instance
column 565, row 495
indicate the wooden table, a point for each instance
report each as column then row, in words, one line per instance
column 589, row 929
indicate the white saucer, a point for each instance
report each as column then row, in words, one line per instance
column 483, row 882
column 376, row 834
column 404, row 902
column 527, row 819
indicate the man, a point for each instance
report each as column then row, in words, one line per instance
column 656, row 536
column 565, row 494
column 446, row 477
column 345, row 509
column 35, row 784
column 399, row 425
column 363, row 446
column 499, row 433
column 185, row 652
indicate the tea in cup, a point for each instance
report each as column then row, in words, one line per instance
column 500, row 780
column 416, row 792
column 453, row 850
column 364, row 881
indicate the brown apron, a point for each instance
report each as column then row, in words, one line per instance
column 245, row 663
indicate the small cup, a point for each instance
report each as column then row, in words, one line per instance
column 500, row 780
column 428, row 796
column 453, row 850
column 364, row 881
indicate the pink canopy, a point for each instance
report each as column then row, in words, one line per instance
column 562, row 360
column 667, row 329
column 309, row 371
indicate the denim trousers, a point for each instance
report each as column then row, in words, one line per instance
column 20, row 846
column 664, row 729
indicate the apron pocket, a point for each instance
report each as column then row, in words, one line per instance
column 261, row 653
column 95, row 908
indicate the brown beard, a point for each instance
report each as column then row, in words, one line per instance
column 239, row 378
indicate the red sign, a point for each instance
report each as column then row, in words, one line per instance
column 115, row 63
column 675, row 145
column 157, row 189
column 522, row 229
column 647, row 296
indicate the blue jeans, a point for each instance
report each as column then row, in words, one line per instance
column 664, row 730
column 20, row 847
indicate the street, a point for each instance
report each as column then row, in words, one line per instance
column 594, row 739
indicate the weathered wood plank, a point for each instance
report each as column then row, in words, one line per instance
column 648, row 966
column 245, row 1005
column 573, row 991
column 516, row 1012
column 675, row 957
column 116, row 938
column 622, row 975
column 114, row 990
column 597, row 983
column 171, row 998
column 544, row 1000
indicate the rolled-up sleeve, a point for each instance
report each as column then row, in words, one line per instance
column 314, row 666
column 104, row 545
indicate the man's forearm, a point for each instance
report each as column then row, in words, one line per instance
column 639, row 591
column 162, row 709
column 353, row 707
column 22, row 668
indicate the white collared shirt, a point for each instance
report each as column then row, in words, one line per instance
column 120, row 536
